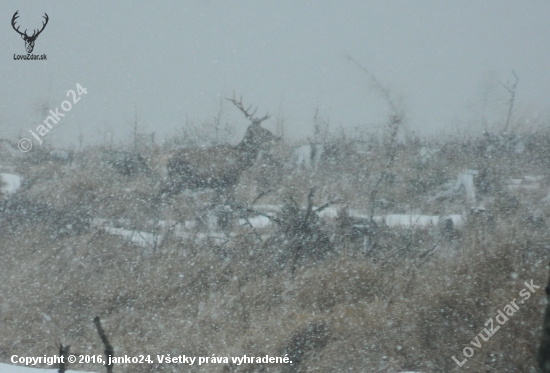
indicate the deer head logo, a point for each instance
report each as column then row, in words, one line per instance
column 29, row 40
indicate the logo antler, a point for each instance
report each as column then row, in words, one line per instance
column 29, row 40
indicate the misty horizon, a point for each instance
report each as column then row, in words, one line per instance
column 174, row 63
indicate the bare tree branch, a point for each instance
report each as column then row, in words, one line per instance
column 511, row 88
column 385, row 92
column 394, row 124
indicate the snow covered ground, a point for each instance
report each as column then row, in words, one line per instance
column 398, row 220
column 151, row 240
column 464, row 182
column 527, row 183
column 256, row 221
column 142, row 239
column 6, row 368
column 9, row 183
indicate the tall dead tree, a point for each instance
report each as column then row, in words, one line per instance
column 511, row 88
column 394, row 124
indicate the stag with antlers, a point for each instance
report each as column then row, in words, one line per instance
column 218, row 167
column 29, row 40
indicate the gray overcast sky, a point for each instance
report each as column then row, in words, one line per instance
column 173, row 59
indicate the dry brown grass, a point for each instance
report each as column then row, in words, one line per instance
column 187, row 299
column 399, row 307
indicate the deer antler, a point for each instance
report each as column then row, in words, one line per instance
column 35, row 33
column 24, row 34
column 15, row 16
column 246, row 112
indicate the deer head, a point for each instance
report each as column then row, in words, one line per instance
column 256, row 137
column 29, row 40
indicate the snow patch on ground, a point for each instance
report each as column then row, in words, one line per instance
column 256, row 221
column 527, row 183
column 268, row 208
column 427, row 153
column 142, row 239
column 9, row 183
column 150, row 240
column 185, row 231
column 396, row 220
column 464, row 182
column 7, row 368
column 419, row 221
